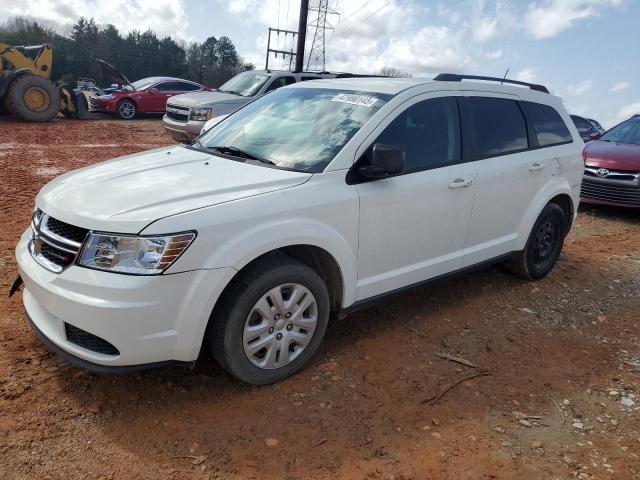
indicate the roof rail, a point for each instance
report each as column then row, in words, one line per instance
column 455, row 77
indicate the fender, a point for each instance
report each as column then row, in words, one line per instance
column 6, row 80
column 556, row 186
column 239, row 251
column 226, row 259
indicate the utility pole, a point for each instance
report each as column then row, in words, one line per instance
column 302, row 34
column 276, row 51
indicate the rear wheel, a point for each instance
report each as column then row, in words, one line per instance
column 271, row 321
column 126, row 109
column 33, row 98
column 544, row 244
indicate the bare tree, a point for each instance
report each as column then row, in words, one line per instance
column 393, row 72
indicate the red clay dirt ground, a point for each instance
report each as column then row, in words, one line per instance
column 562, row 400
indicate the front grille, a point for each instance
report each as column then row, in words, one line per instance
column 611, row 191
column 64, row 230
column 178, row 112
column 55, row 244
column 93, row 103
column 87, row 340
column 56, row 256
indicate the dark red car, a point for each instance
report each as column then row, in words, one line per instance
column 612, row 167
column 148, row 95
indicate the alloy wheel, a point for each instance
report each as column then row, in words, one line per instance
column 126, row 110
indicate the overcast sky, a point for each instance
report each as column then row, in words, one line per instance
column 586, row 51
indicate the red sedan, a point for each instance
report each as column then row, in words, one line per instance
column 148, row 95
column 612, row 167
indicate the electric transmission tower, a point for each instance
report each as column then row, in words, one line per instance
column 316, row 60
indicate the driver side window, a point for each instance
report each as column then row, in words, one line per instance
column 429, row 133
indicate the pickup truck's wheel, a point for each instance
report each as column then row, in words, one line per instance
column 126, row 109
column 544, row 244
column 271, row 321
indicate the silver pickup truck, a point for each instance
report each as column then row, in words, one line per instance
column 187, row 113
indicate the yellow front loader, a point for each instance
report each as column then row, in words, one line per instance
column 26, row 89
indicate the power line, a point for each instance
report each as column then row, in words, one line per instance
column 286, row 21
column 349, row 16
column 365, row 18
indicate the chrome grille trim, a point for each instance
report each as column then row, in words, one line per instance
column 57, row 238
column 40, row 235
column 613, row 174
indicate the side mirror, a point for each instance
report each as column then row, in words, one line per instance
column 594, row 136
column 153, row 90
column 386, row 161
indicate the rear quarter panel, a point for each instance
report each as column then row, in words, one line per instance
column 567, row 171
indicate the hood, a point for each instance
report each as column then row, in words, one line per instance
column 205, row 99
column 113, row 74
column 124, row 195
column 611, row 155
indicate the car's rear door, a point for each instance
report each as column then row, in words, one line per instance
column 413, row 226
column 509, row 173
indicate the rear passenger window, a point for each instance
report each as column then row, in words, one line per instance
column 547, row 123
column 499, row 125
column 429, row 132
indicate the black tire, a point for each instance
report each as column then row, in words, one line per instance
column 82, row 107
column 44, row 108
column 224, row 337
column 124, row 109
column 544, row 244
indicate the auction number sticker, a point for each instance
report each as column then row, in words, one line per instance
column 354, row 99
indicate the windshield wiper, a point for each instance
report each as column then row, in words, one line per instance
column 233, row 92
column 237, row 152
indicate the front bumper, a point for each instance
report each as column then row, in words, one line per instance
column 603, row 191
column 182, row 131
column 151, row 320
column 104, row 106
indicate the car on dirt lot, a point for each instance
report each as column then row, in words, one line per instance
column 186, row 114
column 612, row 167
column 306, row 204
column 145, row 96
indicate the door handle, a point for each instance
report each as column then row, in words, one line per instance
column 536, row 166
column 460, row 183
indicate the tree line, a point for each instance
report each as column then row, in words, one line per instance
column 136, row 54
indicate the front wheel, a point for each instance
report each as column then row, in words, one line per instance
column 544, row 244
column 271, row 321
column 126, row 110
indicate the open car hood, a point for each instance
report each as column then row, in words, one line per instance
column 112, row 73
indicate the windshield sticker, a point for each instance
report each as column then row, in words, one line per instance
column 360, row 100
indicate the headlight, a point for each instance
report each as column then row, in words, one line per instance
column 202, row 114
column 108, row 96
column 136, row 255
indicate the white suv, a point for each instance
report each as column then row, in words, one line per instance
column 305, row 204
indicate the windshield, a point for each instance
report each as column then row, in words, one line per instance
column 244, row 84
column 626, row 132
column 294, row 128
column 143, row 83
